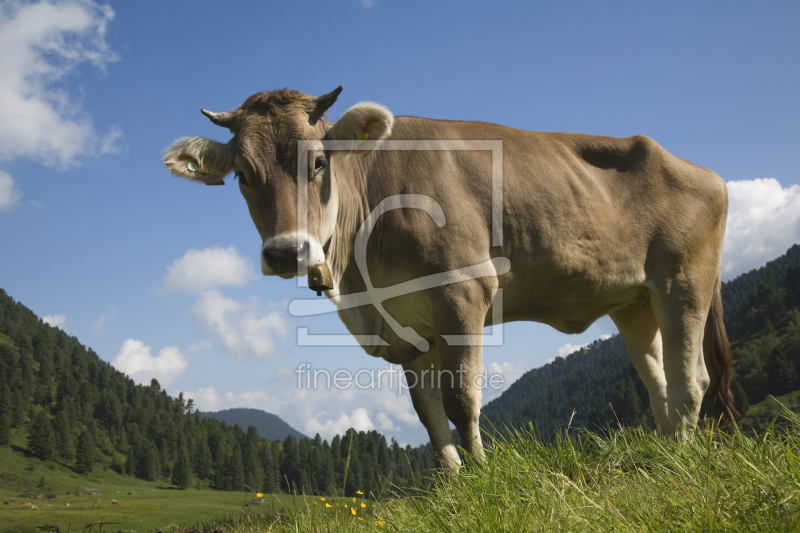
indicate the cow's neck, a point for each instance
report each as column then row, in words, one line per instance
column 353, row 210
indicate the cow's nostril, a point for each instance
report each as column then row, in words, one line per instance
column 281, row 260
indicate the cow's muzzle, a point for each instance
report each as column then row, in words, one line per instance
column 290, row 254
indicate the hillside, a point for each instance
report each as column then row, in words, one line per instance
column 269, row 426
column 63, row 405
column 600, row 384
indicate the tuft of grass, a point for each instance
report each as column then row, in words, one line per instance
column 621, row 480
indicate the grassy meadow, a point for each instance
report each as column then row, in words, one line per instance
column 627, row 480
column 622, row 480
column 146, row 506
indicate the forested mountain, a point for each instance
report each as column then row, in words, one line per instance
column 76, row 409
column 600, row 384
column 269, row 426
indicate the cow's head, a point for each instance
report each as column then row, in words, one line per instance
column 263, row 154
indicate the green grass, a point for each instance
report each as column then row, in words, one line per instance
column 158, row 507
column 630, row 480
column 627, row 480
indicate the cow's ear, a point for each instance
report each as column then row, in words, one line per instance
column 199, row 159
column 366, row 124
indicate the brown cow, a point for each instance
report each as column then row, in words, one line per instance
column 96, row 503
column 577, row 227
column 116, row 502
column 35, row 507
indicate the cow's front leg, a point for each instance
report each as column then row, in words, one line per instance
column 458, row 318
column 426, row 395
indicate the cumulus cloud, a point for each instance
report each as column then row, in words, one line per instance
column 243, row 328
column 325, row 410
column 43, row 42
column 569, row 348
column 135, row 360
column 9, row 194
column 209, row 399
column 201, row 270
column 359, row 420
column 763, row 222
column 56, row 321
column 509, row 372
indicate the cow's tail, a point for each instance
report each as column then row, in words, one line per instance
column 717, row 355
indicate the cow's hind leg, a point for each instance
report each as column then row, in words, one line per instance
column 426, row 395
column 681, row 307
column 638, row 327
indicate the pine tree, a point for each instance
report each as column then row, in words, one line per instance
column 781, row 375
column 290, row 467
column 181, row 471
column 740, row 401
column 41, row 440
column 64, row 441
column 792, row 287
column 627, row 404
column 146, row 458
column 5, row 429
column 84, row 455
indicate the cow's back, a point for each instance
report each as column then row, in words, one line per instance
column 586, row 218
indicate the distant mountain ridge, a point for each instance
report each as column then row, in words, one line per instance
column 269, row 426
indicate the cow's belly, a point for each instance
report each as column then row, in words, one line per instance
column 571, row 314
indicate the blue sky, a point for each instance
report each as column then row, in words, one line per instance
column 95, row 235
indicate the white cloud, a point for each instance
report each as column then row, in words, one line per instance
column 135, row 360
column 101, row 323
column 569, row 348
column 368, row 3
column 9, row 196
column 358, row 419
column 205, row 399
column 385, row 423
column 43, row 42
column 323, row 410
column 509, row 372
column 201, row 270
column 56, row 321
column 209, row 399
column 763, row 222
column 244, row 330
column 202, row 345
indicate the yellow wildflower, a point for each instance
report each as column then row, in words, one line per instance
column 323, row 499
column 354, row 499
column 617, row 471
column 359, row 492
column 327, row 505
column 259, row 495
column 315, row 503
column 352, row 510
column 363, row 505
column 360, row 518
column 373, row 506
column 380, row 523
column 344, row 504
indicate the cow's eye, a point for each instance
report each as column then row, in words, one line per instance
column 242, row 179
column 320, row 164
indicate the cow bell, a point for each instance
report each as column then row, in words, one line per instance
column 320, row 279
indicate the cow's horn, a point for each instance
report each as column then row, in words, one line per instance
column 323, row 103
column 220, row 119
